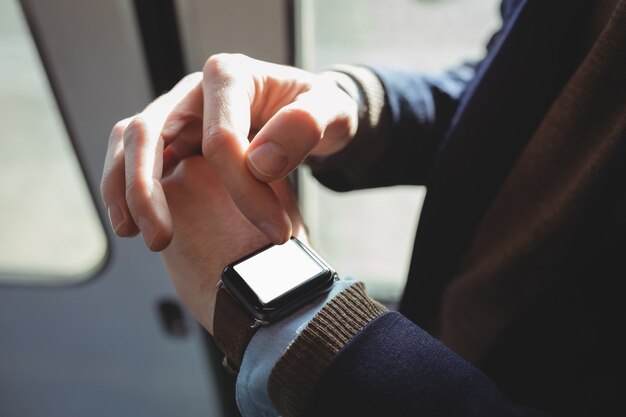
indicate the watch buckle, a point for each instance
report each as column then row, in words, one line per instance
column 230, row 366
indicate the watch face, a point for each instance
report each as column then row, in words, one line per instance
column 277, row 279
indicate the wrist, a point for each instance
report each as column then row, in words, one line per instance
column 262, row 288
column 355, row 162
column 353, row 90
column 265, row 349
column 349, row 86
column 297, row 371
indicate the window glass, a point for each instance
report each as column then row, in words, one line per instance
column 369, row 234
column 49, row 229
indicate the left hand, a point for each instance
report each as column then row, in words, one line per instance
column 209, row 232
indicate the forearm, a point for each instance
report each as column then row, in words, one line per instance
column 379, row 363
column 299, row 368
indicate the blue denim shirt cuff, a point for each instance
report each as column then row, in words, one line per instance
column 266, row 347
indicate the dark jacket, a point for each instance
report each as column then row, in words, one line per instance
column 538, row 323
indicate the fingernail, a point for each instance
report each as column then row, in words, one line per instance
column 116, row 217
column 147, row 230
column 272, row 231
column 269, row 159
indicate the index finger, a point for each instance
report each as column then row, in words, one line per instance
column 228, row 95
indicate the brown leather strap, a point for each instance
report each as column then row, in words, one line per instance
column 233, row 327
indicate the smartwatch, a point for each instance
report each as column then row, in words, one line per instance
column 262, row 288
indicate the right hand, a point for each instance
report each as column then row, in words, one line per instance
column 253, row 121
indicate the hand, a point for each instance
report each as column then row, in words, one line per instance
column 253, row 121
column 209, row 232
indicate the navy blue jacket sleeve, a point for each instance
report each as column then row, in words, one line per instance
column 419, row 109
column 394, row 368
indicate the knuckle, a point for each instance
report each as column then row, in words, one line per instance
column 118, row 128
column 224, row 66
column 217, row 65
column 135, row 131
column 216, row 140
column 118, row 131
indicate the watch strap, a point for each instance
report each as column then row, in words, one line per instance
column 233, row 327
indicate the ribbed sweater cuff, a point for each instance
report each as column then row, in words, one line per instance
column 374, row 122
column 371, row 90
column 298, row 370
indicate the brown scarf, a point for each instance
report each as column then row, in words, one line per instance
column 528, row 220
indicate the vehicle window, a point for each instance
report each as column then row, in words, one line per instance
column 369, row 234
column 50, row 232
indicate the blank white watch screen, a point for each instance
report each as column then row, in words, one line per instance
column 277, row 270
